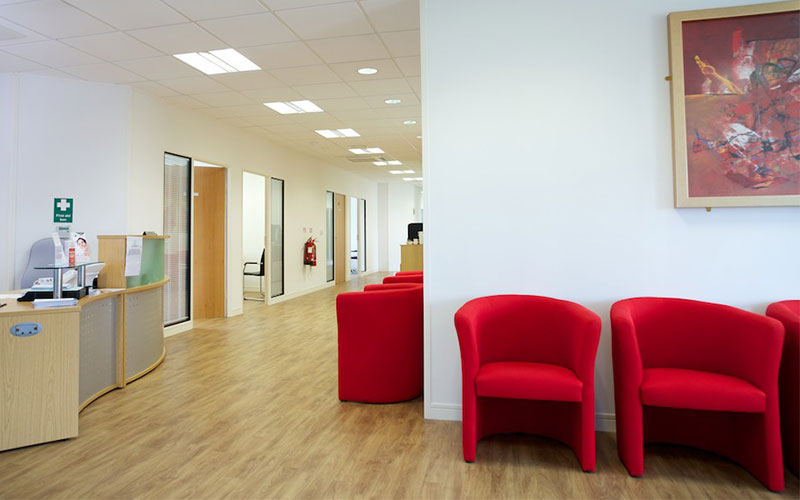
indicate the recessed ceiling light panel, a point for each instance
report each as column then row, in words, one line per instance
column 379, row 163
column 398, row 172
column 410, row 122
column 217, row 62
column 392, row 101
column 293, row 107
column 395, row 162
column 366, row 151
column 412, row 179
column 338, row 133
column 367, row 71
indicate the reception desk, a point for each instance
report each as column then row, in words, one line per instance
column 411, row 257
column 55, row 362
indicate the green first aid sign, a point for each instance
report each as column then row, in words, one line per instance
column 62, row 210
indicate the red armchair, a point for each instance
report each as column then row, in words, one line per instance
column 527, row 365
column 697, row 374
column 788, row 313
column 380, row 343
column 407, row 273
column 411, row 278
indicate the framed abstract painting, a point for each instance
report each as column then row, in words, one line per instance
column 735, row 75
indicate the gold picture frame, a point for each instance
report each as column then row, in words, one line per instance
column 737, row 156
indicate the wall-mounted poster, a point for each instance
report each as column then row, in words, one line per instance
column 736, row 105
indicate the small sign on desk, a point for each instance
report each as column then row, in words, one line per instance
column 62, row 210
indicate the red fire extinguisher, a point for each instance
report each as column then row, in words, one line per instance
column 310, row 253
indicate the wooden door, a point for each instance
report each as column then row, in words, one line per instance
column 339, row 254
column 209, row 242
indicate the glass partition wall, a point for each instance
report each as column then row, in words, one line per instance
column 177, row 224
column 362, row 233
column 329, row 239
column 276, row 236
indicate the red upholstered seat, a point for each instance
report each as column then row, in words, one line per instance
column 699, row 390
column 527, row 365
column 697, row 374
column 788, row 313
column 405, row 278
column 524, row 380
column 380, row 343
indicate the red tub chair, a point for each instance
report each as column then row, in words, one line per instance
column 527, row 365
column 697, row 374
column 788, row 313
column 408, row 273
column 411, row 278
column 380, row 343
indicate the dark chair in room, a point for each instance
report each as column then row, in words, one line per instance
column 788, row 313
column 259, row 273
column 527, row 365
column 697, row 374
column 410, row 278
column 380, row 343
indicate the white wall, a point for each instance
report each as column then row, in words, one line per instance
column 7, row 170
column 159, row 126
column 68, row 139
column 253, row 221
column 549, row 170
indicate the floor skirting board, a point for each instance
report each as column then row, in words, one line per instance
column 604, row 422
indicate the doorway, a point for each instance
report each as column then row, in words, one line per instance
column 209, row 240
column 339, row 239
column 254, row 208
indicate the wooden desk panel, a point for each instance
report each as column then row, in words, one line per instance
column 411, row 257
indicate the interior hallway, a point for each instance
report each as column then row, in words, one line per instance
column 247, row 408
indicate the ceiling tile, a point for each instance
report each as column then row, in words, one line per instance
column 186, row 101
column 380, row 87
column 350, row 48
column 272, row 95
column 246, row 31
column 53, row 18
column 194, row 85
column 52, row 53
column 128, row 15
column 403, row 112
column 415, row 84
column 392, row 15
column 342, row 103
column 248, row 80
column 326, row 21
column 306, row 75
column 13, row 34
column 377, row 101
column 326, row 90
column 286, row 128
column 52, row 72
column 104, row 72
column 294, row 4
column 115, row 46
column 209, row 9
column 316, row 121
column 356, row 114
column 348, row 71
column 265, row 120
column 154, row 88
column 237, row 121
column 402, row 43
column 11, row 63
column 410, row 66
column 249, row 110
column 179, row 38
column 223, row 99
column 217, row 112
column 281, row 55
column 160, row 68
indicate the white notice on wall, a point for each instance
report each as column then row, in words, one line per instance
column 133, row 256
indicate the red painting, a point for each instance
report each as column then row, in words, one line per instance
column 742, row 105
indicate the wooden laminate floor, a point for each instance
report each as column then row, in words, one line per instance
column 247, row 408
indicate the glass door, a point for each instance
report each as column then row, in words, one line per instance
column 329, row 239
column 177, row 224
column 276, row 237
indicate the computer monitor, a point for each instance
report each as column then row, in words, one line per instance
column 413, row 230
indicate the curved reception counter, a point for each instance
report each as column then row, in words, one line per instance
column 55, row 362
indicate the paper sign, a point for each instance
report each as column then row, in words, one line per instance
column 133, row 256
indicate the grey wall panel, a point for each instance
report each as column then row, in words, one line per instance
column 144, row 330
column 98, row 351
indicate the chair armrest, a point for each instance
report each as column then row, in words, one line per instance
column 627, row 359
column 591, row 325
column 466, row 324
column 244, row 268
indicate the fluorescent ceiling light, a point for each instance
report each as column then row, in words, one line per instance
column 367, row 71
column 216, row 62
column 398, row 172
column 392, row 101
column 395, row 162
column 338, row 133
column 410, row 122
column 412, row 179
column 293, row 107
column 379, row 163
column 366, row 151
